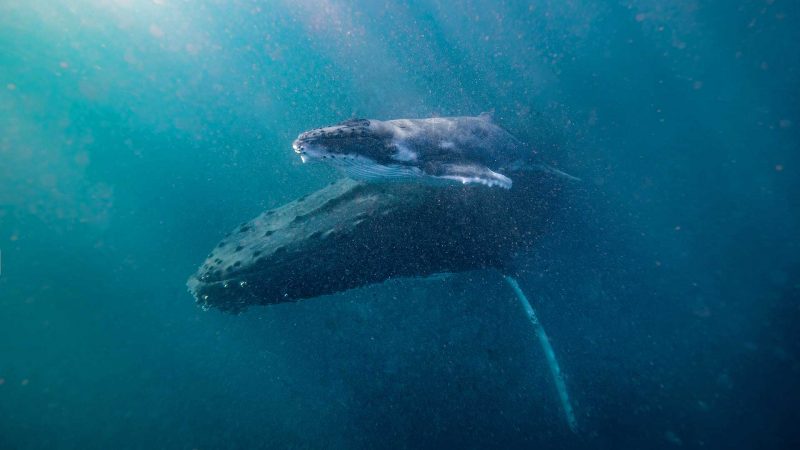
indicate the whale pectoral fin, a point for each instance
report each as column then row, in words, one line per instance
column 466, row 173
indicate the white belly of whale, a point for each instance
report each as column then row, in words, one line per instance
column 363, row 169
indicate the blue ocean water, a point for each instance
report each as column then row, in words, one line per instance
column 135, row 133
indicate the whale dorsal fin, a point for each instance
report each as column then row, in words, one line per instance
column 487, row 116
column 472, row 173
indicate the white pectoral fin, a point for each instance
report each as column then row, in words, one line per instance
column 473, row 174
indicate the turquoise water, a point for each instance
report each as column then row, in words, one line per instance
column 134, row 134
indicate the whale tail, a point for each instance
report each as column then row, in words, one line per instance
column 552, row 170
column 524, row 166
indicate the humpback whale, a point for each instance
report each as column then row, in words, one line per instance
column 437, row 150
column 354, row 233
column 357, row 232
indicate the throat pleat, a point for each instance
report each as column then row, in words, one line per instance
column 367, row 170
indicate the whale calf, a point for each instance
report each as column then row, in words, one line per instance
column 437, row 150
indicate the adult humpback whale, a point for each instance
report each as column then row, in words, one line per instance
column 355, row 233
column 434, row 150
column 351, row 234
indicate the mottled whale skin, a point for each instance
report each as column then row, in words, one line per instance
column 439, row 149
column 358, row 231
column 353, row 233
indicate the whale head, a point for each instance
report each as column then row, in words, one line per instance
column 351, row 138
column 361, row 148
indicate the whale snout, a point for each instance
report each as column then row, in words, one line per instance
column 309, row 149
column 299, row 147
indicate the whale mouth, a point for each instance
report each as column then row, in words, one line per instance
column 353, row 165
column 300, row 148
column 310, row 151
